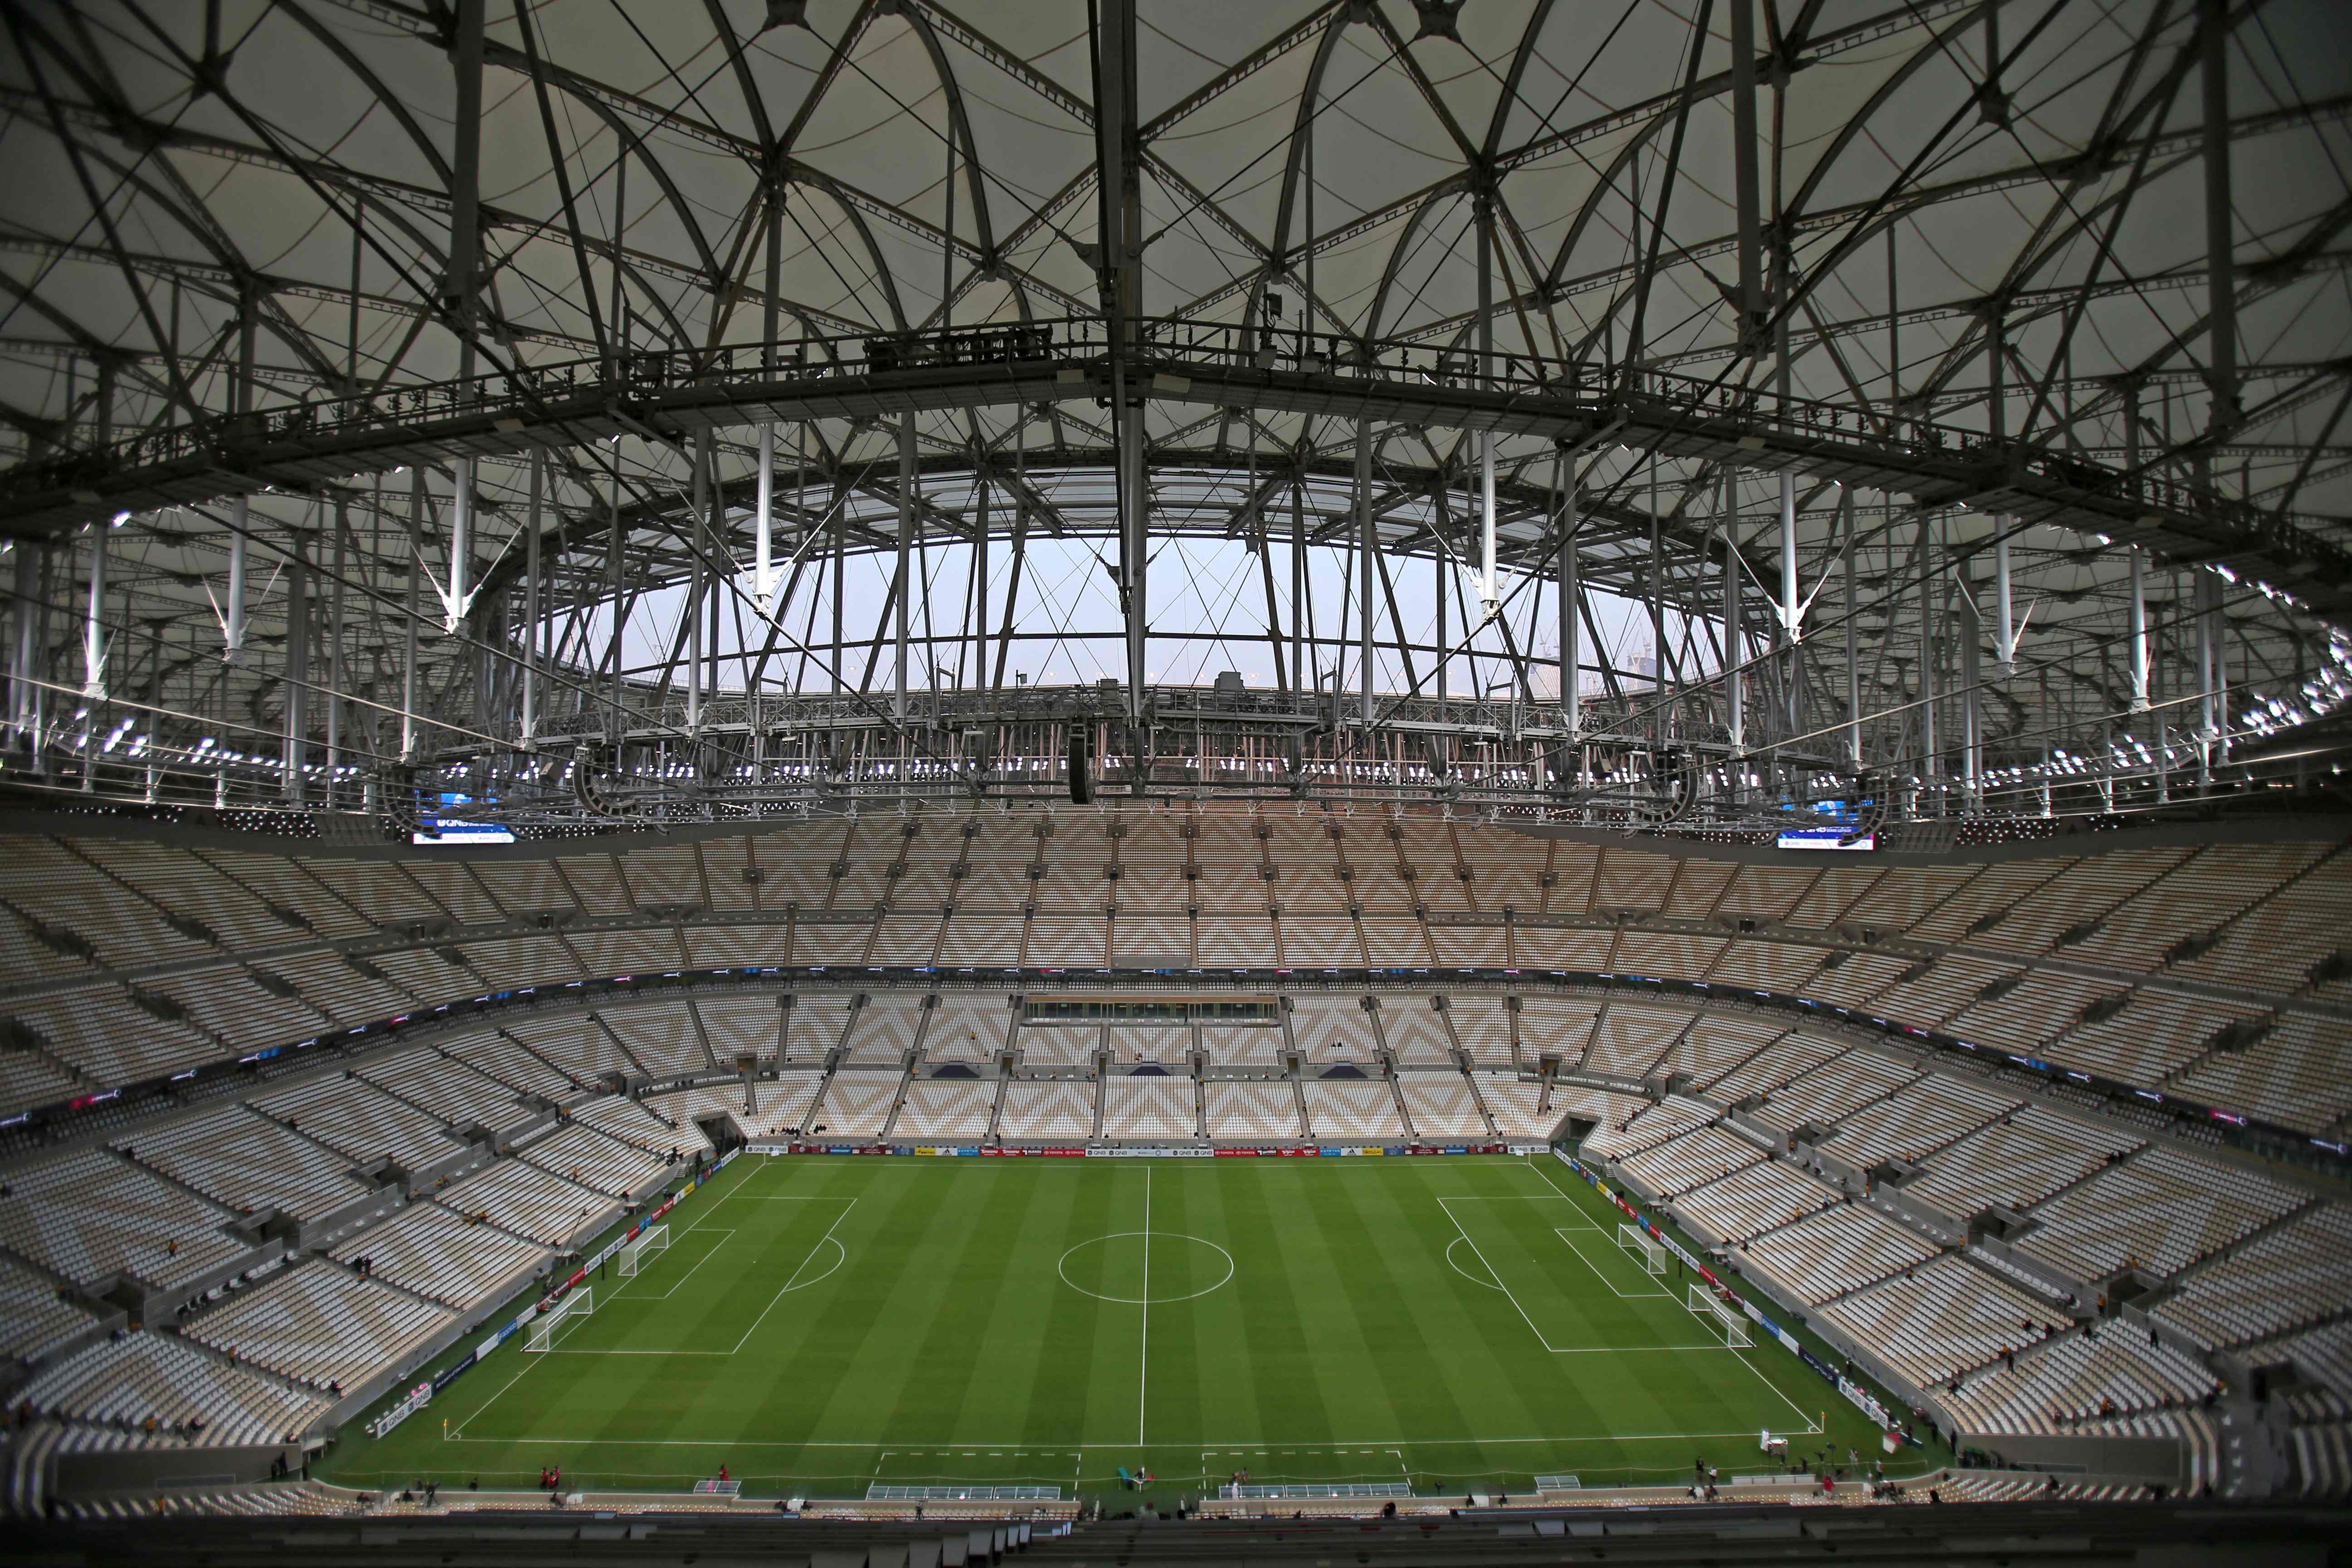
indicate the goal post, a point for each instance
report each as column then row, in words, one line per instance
column 1647, row 1249
column 540, row 1335
column 651, row 1242
column 1726, row 1321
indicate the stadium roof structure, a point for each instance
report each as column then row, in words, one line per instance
column 611, row 412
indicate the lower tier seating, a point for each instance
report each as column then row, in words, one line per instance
column 1837, row 1251
column 523, row 1200
column 130, row 1382
column 1250, row 1111
column 1442, row 1107
column 950, row 1108
column 1150, row 1109
column 323, row 1325
column 1938, row 1318
column 1047, row 1111
column 429, row 1250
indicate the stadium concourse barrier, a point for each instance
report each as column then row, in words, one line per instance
column 1137, row 1152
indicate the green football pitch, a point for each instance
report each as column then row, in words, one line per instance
column 822, row 1325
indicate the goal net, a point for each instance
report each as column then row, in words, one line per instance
column 651, row 1243
column 1724, row 1319
column 1647, row 1249
column 540, row 1335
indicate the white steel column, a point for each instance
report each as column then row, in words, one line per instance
column 2004, row 630
column 1367, row 542
column 2138, row 633
column 1792, row 606
column 1571, row 707
column 461, row 546
column 233, row 623
column 1734, row 696
column 93, row 628
column 531, row 611
column 1489, row 589
column 763, row 569
column 906, row 586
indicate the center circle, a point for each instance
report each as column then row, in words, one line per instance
column 1121, row 1263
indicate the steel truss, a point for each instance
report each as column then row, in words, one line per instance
column 662, row 530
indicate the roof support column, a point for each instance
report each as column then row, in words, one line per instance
column 1744, row 180
column 1792, row 608
column 1734, row 696
column 2222, row 284
column 233, row 623
column 408, row 727
column 1489, row 592
column 1572, row 713
column 763, row 569
column 2004, row 631
column 697, row 540
column 2138, row 633
column 2209, row 600
column 1853, row 635
column 93, row 626
column 906, row 547
column 531, row 607
column 1120, row 260
column 335, row 618
column 298, row 667
column 1368, row 544
column 22, row 692
column 1930, row 765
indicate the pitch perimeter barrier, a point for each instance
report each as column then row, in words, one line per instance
column 1861, row 1398
column 1298, row 1151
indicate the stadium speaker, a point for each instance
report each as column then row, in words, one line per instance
column 1082, row 774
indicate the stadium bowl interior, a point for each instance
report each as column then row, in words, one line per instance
column 923, row 778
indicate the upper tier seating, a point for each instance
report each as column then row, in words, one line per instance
column 322, row 1324
column 967, row 1028
column 1242, row 1045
